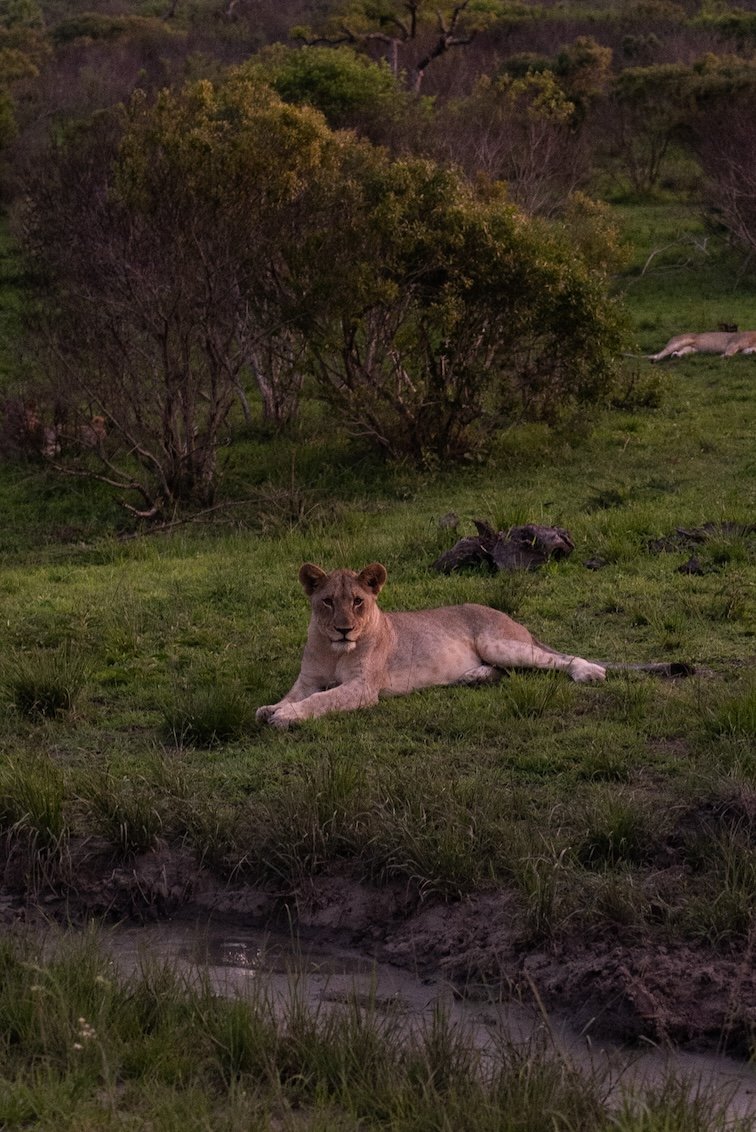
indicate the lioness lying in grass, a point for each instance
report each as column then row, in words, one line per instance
column 356, row 652
column 715, row 342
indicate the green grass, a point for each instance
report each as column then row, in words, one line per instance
column 184, row 636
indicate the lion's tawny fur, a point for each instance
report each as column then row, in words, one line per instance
column 711, row 342
column 356, row 652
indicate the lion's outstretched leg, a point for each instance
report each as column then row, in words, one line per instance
column 663, row 355
column 676, row 348
column 505, row 653
column 344, row 697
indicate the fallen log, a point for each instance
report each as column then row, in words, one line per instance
column 518, row 548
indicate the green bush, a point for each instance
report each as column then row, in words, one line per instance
column 453, row 314
column 349, row 89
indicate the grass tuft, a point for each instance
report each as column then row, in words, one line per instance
column 735, row 716
column 46, row 682
column 33, row 823
column 127, row 811
column 206, row 714
column 618, row 832
column 529, row 695
column 32, row 795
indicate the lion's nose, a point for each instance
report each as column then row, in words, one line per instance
column 344, row 630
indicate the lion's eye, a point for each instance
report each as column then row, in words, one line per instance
column 357, row 602
column 327, row 603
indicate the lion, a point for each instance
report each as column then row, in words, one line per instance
column 355, row 652
column 715, row 342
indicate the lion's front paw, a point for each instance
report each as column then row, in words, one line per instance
column 263, row 714
column 283, row 717
column 585, row 672
column 278, row 715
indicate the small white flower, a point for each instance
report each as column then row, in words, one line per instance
column 86, row 1032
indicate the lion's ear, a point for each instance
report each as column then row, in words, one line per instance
column 310, row 577
column 373, row 577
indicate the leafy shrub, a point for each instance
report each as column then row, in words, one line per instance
column 95, row 26
column 430, row 316
column 112, row 206
column 349, row 89
column 456, row 315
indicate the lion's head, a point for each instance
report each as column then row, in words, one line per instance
column 343, row 603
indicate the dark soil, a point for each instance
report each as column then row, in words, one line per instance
column 695, row 995
column 683, row 539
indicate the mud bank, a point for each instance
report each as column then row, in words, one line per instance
column 611, row 985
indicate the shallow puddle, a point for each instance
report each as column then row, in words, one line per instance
column 245, row 963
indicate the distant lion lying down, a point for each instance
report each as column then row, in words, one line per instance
column 356, row 652
column 715, row 342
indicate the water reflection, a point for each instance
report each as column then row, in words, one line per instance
column 236, row 953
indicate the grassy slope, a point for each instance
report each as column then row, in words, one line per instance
column 155, row 614
column 202, row 623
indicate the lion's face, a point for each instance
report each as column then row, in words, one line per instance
column 343, row 603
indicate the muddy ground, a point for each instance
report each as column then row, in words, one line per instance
column 695, row 996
